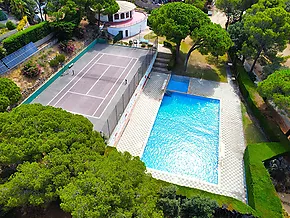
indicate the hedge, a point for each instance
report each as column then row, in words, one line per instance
column 262, row 195
column 249, row 92
column 22, row 38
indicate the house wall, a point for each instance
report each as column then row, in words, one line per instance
column 132, row 30
column 105, row 18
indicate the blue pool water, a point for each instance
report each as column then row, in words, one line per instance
column 178, row 83
column 184, row 139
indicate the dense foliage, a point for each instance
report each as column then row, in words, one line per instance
column 277, row 88
column 10, row 25
column 48, row 154
column 9, row 94
column 63, row 30
column 177, row 206
column 176, row 20
column 3, row 16
column 31, row 69
column 31, row 34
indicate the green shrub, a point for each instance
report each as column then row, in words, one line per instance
column 143, row 45
column 64, row 30
column 54, row 63
column 31, row 70
column 10, row 25
column 10, row 90
column 262, row 195
column 3, row 16
column 22, row 38
column 60, row 58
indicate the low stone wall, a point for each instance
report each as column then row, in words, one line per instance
column 5, row 35
column 44, row 40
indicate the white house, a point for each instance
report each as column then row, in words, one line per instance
column 127, row 20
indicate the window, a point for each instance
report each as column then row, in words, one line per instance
column 127, row 14
column 116, row 16
column 130, row 14
column 122, row 16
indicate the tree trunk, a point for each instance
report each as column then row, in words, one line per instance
column 241, row 16
column 228, row 21
column 188, row 55
column 99, row 19
column 40, row 11
column 177, row 51
column 255, row 61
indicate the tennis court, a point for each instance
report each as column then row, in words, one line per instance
column 95, row 84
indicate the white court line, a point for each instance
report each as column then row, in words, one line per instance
column 78, row 80
column 84, row 95
column 111, row 65
column 72, row 79
column 115, row 92
column 120, row 56
column 98, row 80
column 85, row 115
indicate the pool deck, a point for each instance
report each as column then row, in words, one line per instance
column 231, row 166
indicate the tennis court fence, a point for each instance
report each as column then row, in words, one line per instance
column 120, row 107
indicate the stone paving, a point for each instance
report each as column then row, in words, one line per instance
column 231, row 170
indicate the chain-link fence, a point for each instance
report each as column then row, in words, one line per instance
column 120, row 107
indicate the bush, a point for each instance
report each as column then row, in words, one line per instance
column 31, row 70
column 67, row 46
column 22, row 38
column 10, row 25
column 54, row 63
column 3, row 52
column 60, row 58
column 3, row 16
column 10, row 90
column 64, row 30
column 22, row 23
column 130, row 43
column 143, row 45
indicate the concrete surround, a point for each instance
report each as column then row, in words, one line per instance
column 231, row 168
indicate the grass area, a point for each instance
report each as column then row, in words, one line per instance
column 152, row 36
column 201, row 66
column 251, row 131
column 262, row 195
column 232, row 203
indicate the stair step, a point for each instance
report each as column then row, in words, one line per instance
column 164, row 55
column 160, row 64
column 163, row 60
column 160, row 70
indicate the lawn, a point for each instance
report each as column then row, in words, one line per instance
column 201, row 66
column 152, row 36
column 252, row 133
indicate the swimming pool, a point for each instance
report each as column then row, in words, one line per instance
column 184, row 139
column 178, row 83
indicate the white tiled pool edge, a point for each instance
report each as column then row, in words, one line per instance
column 231, row 170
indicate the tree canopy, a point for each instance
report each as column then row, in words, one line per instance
column 210, row 38
column 9, row 93
column 277, row 88
column 268, row 32
column 176, row 20
column 47, row 154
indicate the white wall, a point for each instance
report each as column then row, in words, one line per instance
column 132, row 30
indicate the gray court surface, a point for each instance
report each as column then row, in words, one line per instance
column 95, row 83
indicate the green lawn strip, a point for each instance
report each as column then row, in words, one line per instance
column 262, row 195
column 252, row 133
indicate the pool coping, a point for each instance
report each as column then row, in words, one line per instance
column 220, row 145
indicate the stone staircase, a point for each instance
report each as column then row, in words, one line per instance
column 161, row 62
